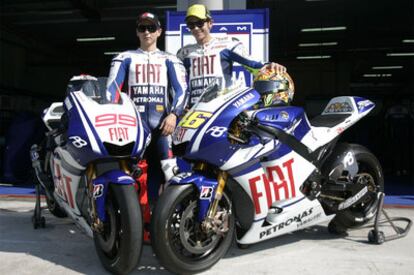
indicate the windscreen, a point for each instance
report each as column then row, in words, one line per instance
column 94, row 89
column 213, row 90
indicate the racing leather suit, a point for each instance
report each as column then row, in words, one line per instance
column 154, row 79
column 213, row 62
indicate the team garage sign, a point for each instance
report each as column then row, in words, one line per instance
column 251, row 27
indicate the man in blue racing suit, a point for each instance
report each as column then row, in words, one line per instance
column 156, row 82
column 211, row 59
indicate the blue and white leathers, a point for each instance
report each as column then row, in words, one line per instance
column 213, row 63
column 156, row 82
column 269, row 171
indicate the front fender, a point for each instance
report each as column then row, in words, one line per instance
column 206, row 188
column 100, row 188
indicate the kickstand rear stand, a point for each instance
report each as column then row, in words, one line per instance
column 376, row 236
column 37, row 219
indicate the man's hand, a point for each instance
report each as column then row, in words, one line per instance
column 280, row 69
column 168, row 124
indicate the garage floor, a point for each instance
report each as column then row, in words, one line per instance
column 61, row 248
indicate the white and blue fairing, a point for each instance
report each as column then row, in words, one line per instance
column 213, row 133
column 96, row 130
column 203, row 133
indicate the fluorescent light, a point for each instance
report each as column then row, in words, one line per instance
column 377, row 75
column 400, row 54
column 166, row 7
column 314, row 57
column 111, row 53
column 408, row 41
column 93, row 39
column 386, row 67
column 318, row 44
column 339, row 28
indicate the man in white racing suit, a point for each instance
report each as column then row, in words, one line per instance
column 211, row 59
column 156, row 82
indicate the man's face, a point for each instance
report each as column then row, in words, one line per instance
column 199, row 28
column 148, row 32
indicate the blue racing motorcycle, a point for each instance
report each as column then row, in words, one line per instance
column 261, row 170
column 85, row 168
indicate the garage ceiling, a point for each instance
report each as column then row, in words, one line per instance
column 48, row 30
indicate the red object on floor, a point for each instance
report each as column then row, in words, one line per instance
column 143, row 198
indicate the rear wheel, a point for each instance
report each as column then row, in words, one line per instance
column 369, row 174
column 119, row 245
column 179, row 241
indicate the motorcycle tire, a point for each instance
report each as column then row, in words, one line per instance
column 177, row 238
column 55, row 209
column 369, row 173
column 119, row 246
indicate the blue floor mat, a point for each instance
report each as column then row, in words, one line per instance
column 17, row 190
column 405, row 200
column 399, row 190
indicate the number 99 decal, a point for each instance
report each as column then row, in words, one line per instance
column 193, row 120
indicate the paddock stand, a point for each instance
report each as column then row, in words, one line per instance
column 377, row 236
column 37, row 219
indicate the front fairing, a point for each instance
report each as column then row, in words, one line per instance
column 98, row 131
column 205, row 127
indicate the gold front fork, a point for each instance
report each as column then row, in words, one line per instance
column 124, row 166
column 209, row 222
column 97, row 224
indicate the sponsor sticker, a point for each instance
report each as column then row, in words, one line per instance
column 338, row 107
column 300, row 219
column 159, row 108
column 364, row 103
column 206, row 192
column 284, row 115
column 98, row 191
column 141, row 108
column 352, row 200
column 179, row 133
column 243, row 100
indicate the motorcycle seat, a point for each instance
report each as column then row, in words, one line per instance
column 328, row 120
column 324, row 127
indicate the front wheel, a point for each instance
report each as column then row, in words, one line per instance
column 178, row 239
column 119, row 246
column 54, row 208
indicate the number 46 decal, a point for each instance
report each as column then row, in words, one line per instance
column 193, row 120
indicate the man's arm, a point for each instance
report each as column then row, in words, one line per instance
column 177, row 77
column 117, row 74
column 178, row 80
column 237, row 53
